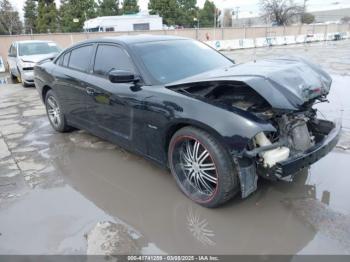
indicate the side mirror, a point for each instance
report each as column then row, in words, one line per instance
column 122, row 76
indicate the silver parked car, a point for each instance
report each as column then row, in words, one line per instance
column 23, row 55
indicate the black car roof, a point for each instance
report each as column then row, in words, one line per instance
column 134, row 39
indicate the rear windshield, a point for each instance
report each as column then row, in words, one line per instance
column 168, row 61
column 37, row 48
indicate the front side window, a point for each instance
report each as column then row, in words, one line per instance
column 80, row 58
column 109, row 57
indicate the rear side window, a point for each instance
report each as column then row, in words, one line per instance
column 80, row 58
column 65, row 59
column 13, row 50
column 109, row 57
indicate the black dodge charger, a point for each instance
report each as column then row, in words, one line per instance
column 215, row 124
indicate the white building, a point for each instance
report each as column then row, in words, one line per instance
column 124, row 23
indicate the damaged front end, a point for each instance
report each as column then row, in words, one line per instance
column 300, row 138
column 300, row 141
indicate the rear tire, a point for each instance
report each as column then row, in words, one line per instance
column 55, row 114
column 202, row 167
column 13, row 77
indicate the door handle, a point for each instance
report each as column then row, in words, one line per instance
column 90, row 91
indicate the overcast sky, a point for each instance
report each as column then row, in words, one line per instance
column 247, row 7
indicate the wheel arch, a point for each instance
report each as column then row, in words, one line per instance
column 18, row 71
column 176, row 126
column 44, row 91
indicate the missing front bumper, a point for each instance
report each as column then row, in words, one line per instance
column 330, row 133
column 248, row 170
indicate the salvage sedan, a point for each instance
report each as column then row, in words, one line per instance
column 216, row 125
column 23, row 55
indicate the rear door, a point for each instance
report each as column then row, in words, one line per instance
column 111, row 103
column 72, row 80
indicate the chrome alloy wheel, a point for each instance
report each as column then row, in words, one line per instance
column 198, row 166
column 54, row 111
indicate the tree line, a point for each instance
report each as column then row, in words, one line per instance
column 43, row 16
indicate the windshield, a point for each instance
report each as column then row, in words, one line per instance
column 169, row 61
column 37, row 48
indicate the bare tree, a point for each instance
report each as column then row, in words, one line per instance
column 281, row 12
column 9, row 18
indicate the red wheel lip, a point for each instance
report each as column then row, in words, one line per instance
column 172, row 145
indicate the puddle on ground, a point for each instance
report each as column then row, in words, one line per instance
column 48, row 222
column 147, row 198
column 5, row 79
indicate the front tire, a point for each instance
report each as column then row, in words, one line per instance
column 24, row 84
column 55, row 114
column 202, row 167
column 19, row 77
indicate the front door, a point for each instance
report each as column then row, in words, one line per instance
column 111, row 103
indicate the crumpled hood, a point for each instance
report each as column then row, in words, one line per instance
column 286, row 83
column 37, row 58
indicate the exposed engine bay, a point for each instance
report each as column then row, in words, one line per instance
column 296, row 131
column 293, row 135
column 236, row 94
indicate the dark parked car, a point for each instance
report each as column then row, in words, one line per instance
column 215, row 124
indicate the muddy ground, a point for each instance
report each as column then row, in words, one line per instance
column 65, row 193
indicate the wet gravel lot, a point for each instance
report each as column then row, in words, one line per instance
column 68, row 193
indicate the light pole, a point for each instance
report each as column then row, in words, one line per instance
column 196, row 19
column 215, row 21
column 237, row 13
